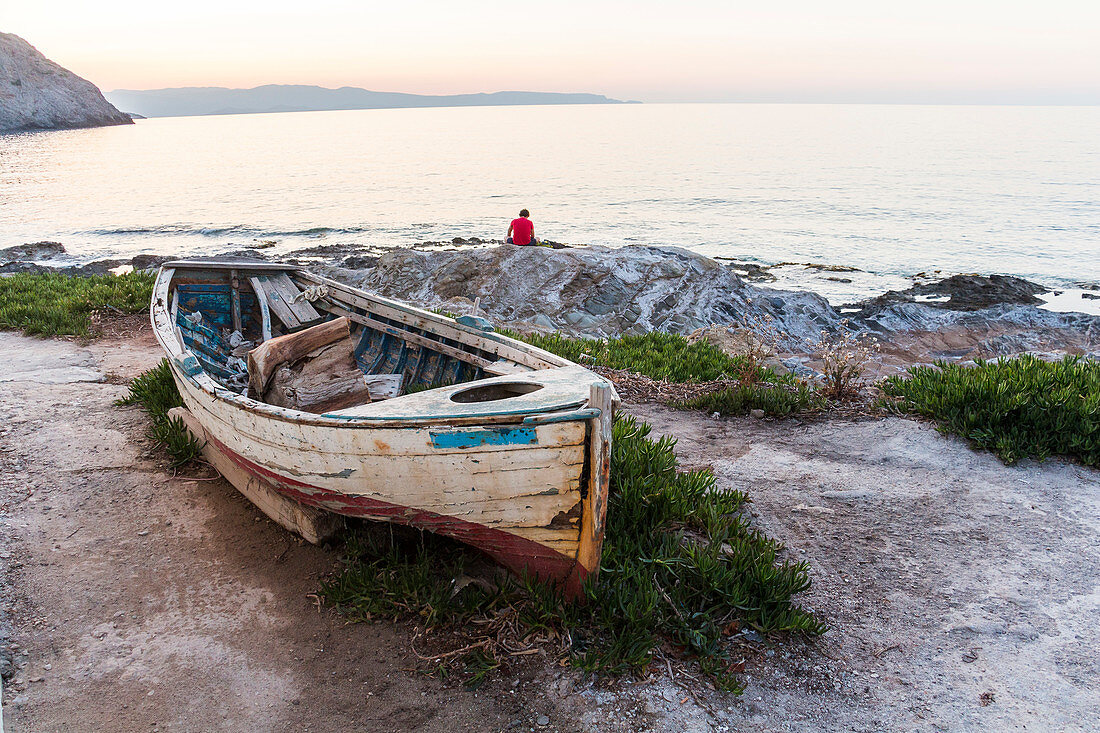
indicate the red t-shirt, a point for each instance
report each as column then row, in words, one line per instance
column 522, row 231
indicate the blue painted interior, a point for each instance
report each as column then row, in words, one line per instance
column 383, row 353
column 375, row 352
column 213, row 300
column 206, row 344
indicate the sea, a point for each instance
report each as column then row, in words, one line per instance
column 888, row 193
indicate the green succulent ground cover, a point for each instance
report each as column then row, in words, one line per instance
column 682, row 571
column 49, row 304
column 777, row 399
column 673, row 358
column 1017, row 408
column 655, row 354
column 155, row 391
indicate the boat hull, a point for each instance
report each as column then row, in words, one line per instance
column 513, row 492
column 521, row 555
column 524, row 479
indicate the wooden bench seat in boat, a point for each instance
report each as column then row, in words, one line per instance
column 537, row 395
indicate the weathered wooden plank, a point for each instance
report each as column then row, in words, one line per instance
column 384, row 386
column 546, row 391
column 334, row 441
column 325, row 379
column 494, row 499
column 566, row 547
column 527, row 512
column 503, row 366
column 421, row 465
column 229, row 264
column 265, row 312
column 281, row 286
column 561, row 540
column 500, row 346
column 552, row 533
column 318, row 392
column 235, row 299
column 335, row 357
column 517, row 472
column 266, row 290
column 594, row 511
column 536, row 511
column 313, row 525
column 532, row 512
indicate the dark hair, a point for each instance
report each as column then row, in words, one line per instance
column 524, row 213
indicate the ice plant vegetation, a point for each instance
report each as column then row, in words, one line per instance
column 51, row 304
column 155, row 391
column 683, row 572
column 656, row 354
column 785, row 396
column 1017, row 408
column 673, row 358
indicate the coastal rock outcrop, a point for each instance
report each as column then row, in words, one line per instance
column 962, row 293
column 595, row 291
column 38, row 94
column 604, row 292
column 999, row 311
column 33, row 251
column 600, row 292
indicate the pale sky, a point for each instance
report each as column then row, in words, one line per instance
column 1039, row 51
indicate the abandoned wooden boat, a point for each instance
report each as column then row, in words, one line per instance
column 412, row 417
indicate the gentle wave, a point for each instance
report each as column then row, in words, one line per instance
column 219, row 231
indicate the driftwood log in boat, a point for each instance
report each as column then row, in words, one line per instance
column 325, row 379
column 266, row 358
column 329, row 379
column 480, row 437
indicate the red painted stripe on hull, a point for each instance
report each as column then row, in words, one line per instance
column 516, row 553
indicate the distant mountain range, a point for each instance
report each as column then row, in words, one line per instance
column 186, row 101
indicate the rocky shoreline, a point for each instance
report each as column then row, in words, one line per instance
column 602, row 292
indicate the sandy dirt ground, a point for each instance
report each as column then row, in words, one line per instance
column 961, row 594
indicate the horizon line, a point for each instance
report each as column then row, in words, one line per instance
column 793, row 99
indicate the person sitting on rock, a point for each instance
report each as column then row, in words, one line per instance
column 522, row 230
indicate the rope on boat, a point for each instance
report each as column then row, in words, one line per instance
column 312, row 294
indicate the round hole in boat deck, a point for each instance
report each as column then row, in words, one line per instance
column 491, row 392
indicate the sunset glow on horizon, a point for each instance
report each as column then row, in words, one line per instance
column 852, row 51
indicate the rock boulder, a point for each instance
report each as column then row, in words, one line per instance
column 597, row 291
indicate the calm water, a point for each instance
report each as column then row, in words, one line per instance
column 892, row 190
